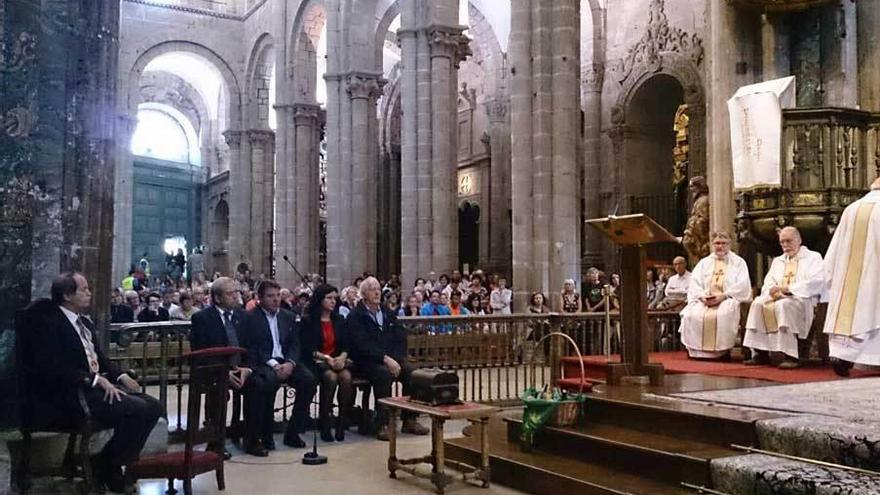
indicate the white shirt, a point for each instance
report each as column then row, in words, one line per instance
column 276, row 343
column 677, row 286
column 499, row 299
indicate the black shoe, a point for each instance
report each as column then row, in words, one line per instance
column 227, row 455
column 341, row 426
column 293, row 440
column 269, row 443
column 758, row 358
column 326, row 435
column 841, row 367
column 254, row 448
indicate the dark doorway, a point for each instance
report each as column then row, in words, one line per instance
column 468, row 236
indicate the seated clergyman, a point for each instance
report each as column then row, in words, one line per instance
column 783, row 312
column 719, row 283
column 676, row 287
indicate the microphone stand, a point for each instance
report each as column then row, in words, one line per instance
column 294, row 268
column 313, row 458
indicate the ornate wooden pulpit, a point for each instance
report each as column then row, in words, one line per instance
column 633, row 233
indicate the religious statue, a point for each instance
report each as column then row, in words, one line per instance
column 696, row 232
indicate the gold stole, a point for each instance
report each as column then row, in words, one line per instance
column 710, row 317
column 769, row 306
column 846, row 308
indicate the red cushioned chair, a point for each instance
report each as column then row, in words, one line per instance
column 208, row 376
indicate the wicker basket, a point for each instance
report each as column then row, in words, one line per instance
column 568, row 411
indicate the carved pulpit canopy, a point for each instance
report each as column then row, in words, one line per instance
column 779, row 5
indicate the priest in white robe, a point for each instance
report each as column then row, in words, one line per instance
column 783, row 313
column 719, row 283
column 852, row 266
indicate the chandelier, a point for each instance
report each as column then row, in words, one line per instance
column 780, row 5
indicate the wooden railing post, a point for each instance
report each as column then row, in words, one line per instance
column 556, row 345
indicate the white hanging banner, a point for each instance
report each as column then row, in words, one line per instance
column 756, row 131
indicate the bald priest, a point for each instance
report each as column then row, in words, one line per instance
column 853, row 270
column 782, row 315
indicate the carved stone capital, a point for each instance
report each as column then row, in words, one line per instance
column 364, row 86
column 233, row 138
column 497, row 109
column 18, row 122
column 593, row 76
column 305, row 114
column 261, row 137
column 449, row 42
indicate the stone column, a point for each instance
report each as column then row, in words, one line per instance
column 123, row 198
column 305, row 239
column 239, row 199
column 432, row 47
column 363, row 89
column 840, row 66
column 58, row 148
column 591, row 94
column 262, row 195
column 545, row 115
column 729, row 45
column 498, row 199
column 868, row 18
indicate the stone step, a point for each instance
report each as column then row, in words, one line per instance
column 758, row 474
column 661, row 457
column 698, row 422
column 546, row 473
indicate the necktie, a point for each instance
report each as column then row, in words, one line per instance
column 231, row 337
column 86, row 335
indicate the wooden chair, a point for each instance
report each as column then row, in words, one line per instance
column 209, row 370
column 76, row 462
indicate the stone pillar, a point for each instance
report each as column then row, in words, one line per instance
column 239, row 199
column 545, row 116
column 363, row 89
column 498, row 200
column 730, row 44
column 58, row 148
column 123, row 199
column 262, row 196
column 432, row 47
column 868, row 18
column 591, row 94
column 840, row 55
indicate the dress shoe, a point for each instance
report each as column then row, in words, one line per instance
column 841, row 367
column 227, row 455
column 789, row 364
column 269, row 443
column 382, row 434
column 326, row 435
column 294, row 441
column 758, row 358
column 413, row 427
column 341, row 426
column 256, row 449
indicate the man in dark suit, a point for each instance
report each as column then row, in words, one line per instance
column 60, row 355
column 219, row 325
column 378, row 349
column 274, row 347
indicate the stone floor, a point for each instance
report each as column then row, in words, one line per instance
column 853, row 400
column 356, row 467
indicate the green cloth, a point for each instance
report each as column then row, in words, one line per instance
column 539, row 411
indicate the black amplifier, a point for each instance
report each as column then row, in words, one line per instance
column 434, row 386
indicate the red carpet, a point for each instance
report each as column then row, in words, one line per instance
column 678, row 362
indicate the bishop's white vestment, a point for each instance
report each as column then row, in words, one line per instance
column 776, row 325
column 710, row 332
column 853, row 269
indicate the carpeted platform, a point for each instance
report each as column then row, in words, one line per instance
column 678, row 362
column 852, row 400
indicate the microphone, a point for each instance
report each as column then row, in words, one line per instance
column 285, row 258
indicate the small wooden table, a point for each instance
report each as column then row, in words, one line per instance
column 471, row 411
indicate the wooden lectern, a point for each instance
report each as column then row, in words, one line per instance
column 632, row 233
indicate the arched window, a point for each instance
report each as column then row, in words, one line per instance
column 165, row 134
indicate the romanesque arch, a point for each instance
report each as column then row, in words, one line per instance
column 260, row 70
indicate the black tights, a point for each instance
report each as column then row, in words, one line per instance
column 330, row 381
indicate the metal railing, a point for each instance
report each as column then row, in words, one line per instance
column 495, row 356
